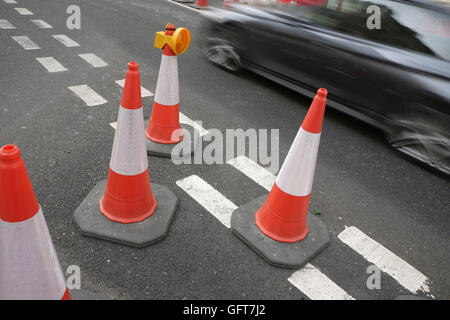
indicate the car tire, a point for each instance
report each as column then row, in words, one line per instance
column 222, row 50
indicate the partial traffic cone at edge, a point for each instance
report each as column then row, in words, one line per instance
column 128, row 197
column 283, row 217
column 29, row 267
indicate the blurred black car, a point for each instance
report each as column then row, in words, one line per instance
column 396, row 78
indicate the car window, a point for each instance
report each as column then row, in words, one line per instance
column 401, row 24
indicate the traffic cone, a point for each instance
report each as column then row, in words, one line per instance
column 164, row 130
column 127, row 208
column 281, row 230
column 29, row 267
column 201, row 4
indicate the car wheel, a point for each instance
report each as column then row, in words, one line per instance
column 422, row 139
column 221, row 51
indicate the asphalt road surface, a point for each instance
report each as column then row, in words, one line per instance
column 379, row 206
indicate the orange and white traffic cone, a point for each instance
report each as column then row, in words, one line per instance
column 201, row 4
column 164, row 130
column 29, row 266
column 281, row 230
column 127, row 208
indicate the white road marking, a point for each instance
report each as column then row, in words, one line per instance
column 10, row 1
column 144, row 92
column 316, row 285
column 186, row 120
column 24, row 11
column 89, row 96
column 408, row 276
column 26, row 43
column 114, row 125
column 51, row 64
column 5, row 24
column 41, row 24
column 254, row 171
column 65, row 40
column 209, row 198
column 309, row 280
column 93, row 60
column 184, row 6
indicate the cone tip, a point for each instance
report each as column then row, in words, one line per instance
column 133, row 65
column 322, row 92
column 9, row 152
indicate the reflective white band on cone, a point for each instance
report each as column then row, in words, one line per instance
column 167, row 87
column 129, row 155
column 297, row 173
column 29, row 267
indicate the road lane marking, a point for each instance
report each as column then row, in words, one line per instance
column 65, row 40
column 254, row 171
column 89, row 96
column 26, row 43
column 186, row 120
column 309, row 280
column 405, row 274
column 41, row 24
column 184, row 6
column 24, row 11
column 144, row 92
column 316, row 285
column 51, row 64
column 10, row 1
column 209, row 198
column 5, row 24
column 93, row 60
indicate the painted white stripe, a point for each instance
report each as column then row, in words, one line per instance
column 408, row 276
column 209, row 198
column 89, row 96
column 65, row 40
column 41, row 24
column 297, row 172
column 185, row 6
column 24, row 11
column 254, row 171
column 10, row 1
column 197, row 125
column 309, row 280
column 144, row 92
column 51, row 64
column 29, row 267
column 93, row 60
column 114, row 125
column 316, row 285
column 129, row 154
column 5, row 24
column 167, row 87
column 26, row 43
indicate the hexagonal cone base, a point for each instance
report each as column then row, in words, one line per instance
column 280, row 254
column 165, row 150
column 92, row 223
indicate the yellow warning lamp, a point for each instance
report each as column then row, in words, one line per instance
column 178, row 39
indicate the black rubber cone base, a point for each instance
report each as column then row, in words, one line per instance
column 279, row 254
column 92, row 223
column 186, row 147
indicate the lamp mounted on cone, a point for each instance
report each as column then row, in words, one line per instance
column 278, row 226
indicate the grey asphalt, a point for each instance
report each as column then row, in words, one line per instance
column 360, row 180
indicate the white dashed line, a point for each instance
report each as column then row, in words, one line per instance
column 254, row 171
column 144, row 92
column 316, row 285
column 89, row 96
column 51, row 64
column 26, row 43
column 209, row 198
column 408, row 276
column 41, row 24
column 93, row 60
column 24, row 11
column 10, row 1
column 65, row 40
column 309, row 280
column 5, row 24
